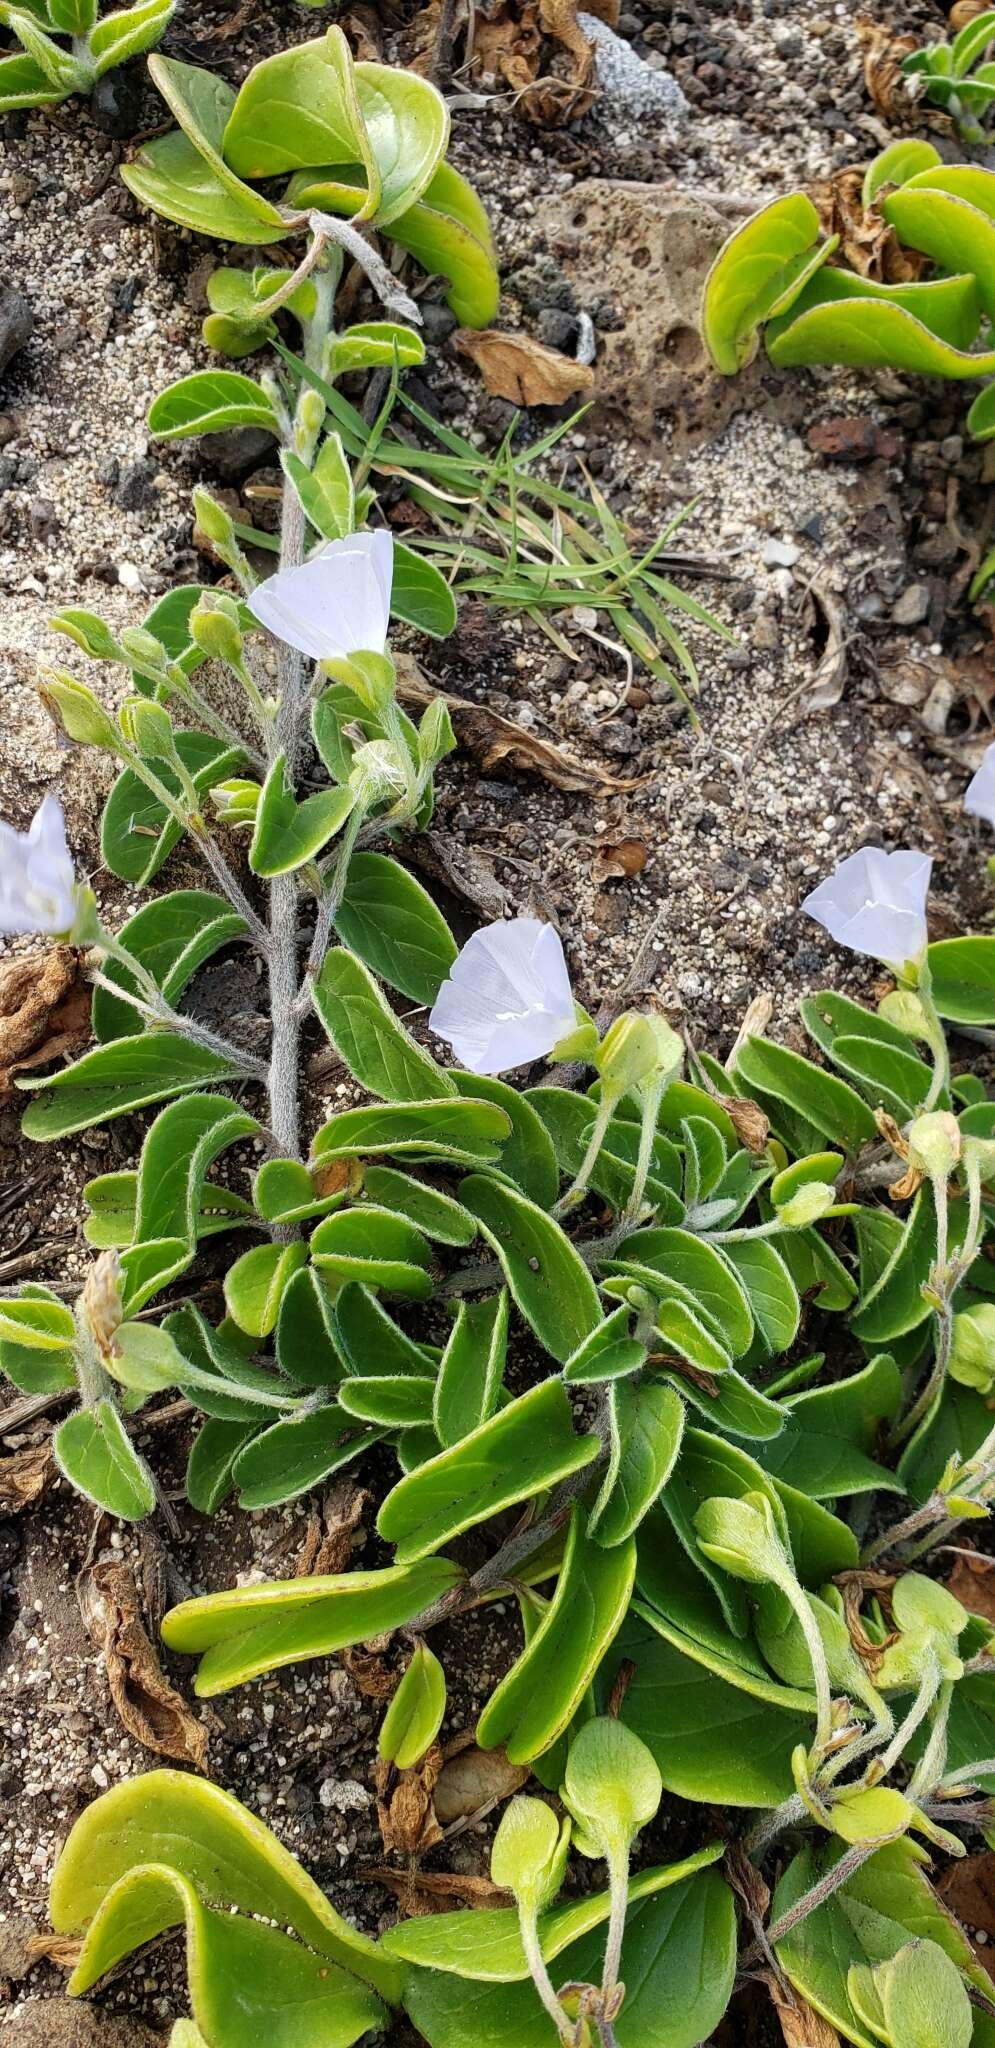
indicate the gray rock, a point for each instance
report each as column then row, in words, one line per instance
column 233, row 454
column 629, row 86
column 136, row 488
column 116, row 103
column 45, row 521
column 16, row 323
column 556, row 329
column 437, row 320
column 912, row 607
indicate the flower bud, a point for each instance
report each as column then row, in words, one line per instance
column 369, row 675
column 742, row 1538
column 376, row 773
column 100, row 1301
column 89, row 632
column 529, row 1853
column 143, row 651
column 972, row 1351
column 148, row 728
column 236, row 801
column 215, row 631
column 612, row 1787
column 814, row 1199
column 934, row 1144
column 436, row 737
column 214, row 522
column 310, row 417
column 77, row 710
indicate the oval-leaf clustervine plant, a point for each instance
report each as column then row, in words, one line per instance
column 45, row 72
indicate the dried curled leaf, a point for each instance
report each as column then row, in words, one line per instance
column 44, row 1012
column 25, row 1476
column 536, row 48
column 423, row 1892
column 801, row 2027
column 869, row 244
column 405, row 1809
column 150, row 1708
column 752, row 1127
column 328, row 1540
column 617, row 860
column 491, row 739
column 892, row 92
column 524, row 371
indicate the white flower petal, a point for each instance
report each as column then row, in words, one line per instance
column 335, row 604
column 979, row 796
column 507, row 999
column 37, row 882
column 875, row 903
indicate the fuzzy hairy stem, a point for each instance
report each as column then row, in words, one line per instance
column 505, row 1562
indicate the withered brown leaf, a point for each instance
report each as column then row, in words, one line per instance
column 867, row 241
column 619, row 859
column 801, row 2027
column 408, row 1823
column 526, row 372
column 328, row 1540
column 24, row 1477
column 44, row 1012
column 893, row 93
column 422, row 1892
column 150, row 1708
column 491, row 738
column 474, row 1778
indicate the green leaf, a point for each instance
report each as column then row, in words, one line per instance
column 209, row 1478
column 873, row 1915
column 420, row 594
column 757, row 272
column 178, row 1149
column 897, row 164
column 392, row 1401
column 646, row 1424
column 241, row 1634
column 844, row 318
column 293, row 1456
column 326, row 490
column 963, row 974
column 92, row 1448
column 958, row 235
column 287, row 833
column 284, row 1192
column 472, row 1368
column 37, row 1340
column 256, row 1283
column 23, row 84
column 676, row 1265
column 772, row 1293
column 391, row 923
column 414, row 1716
column 441, row 1219
column 116, row 1078
column 608, row 1352
column 287, row 1993
column 408, row 124
column 712, row 1741
column 72, row 17
column 207, row 401
column 181, row 1821
column 895, row 1303
column 136, row 834
column 528, row 1446
column 171, row 937
column 373, row 345
column 549, row 1282
column 464, row 1133
column 126, row 33
column 537, row 1700
column 569, row 1119
column 374, row 1247
column 306, row 1345
column 826, row 1102
column 316, row 80
column 364, row 1329
column 113, row 1199
column 831, row 1433
column 527, row 1155
column 369, row 1038
column 487, row 1947
column 678, row 1961
column 174, row 178
column 448, row 233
